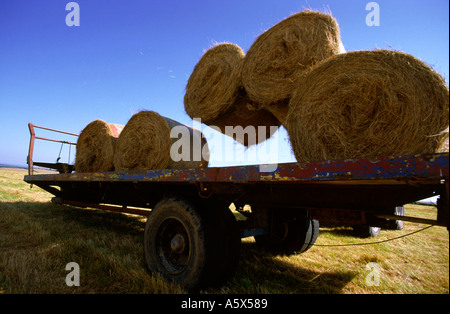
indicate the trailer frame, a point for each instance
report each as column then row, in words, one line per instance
column 286, row 204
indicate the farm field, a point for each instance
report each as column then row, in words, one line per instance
column 38, row 239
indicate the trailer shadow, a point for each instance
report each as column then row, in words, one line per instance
column 119, row 223
column 258, row 271
column 261, row 272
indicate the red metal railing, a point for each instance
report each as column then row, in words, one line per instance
column 34, row 137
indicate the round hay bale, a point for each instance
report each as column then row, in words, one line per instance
column 280, row 54
column 213, row 85
column 95, row 147
column 368, row 104
column 247, row 124
column 145, row 144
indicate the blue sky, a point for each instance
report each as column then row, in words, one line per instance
column 138, row 54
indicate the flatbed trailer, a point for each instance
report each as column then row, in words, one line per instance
column 191, row 237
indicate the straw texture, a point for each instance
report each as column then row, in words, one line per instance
column 368, row 104
column 95, row 147
column 279, row 55
column 145, row 144
column 214, row 83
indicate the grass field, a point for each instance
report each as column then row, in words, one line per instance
column 38, row 239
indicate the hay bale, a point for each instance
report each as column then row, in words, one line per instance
column 213, row 85
column 368, row 104
column 280, row 54
column 95, row 147
column 443, row 144
column 214, row 94
column 244, row 115
column 279, row 110
column 145, row 144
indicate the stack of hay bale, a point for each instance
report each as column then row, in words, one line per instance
column 333, row 104
column 144, row 143
column 228, row 87
column 214, row 93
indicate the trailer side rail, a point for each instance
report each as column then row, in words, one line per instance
column 58, row 166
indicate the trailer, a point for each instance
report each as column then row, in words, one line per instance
column 191, row 236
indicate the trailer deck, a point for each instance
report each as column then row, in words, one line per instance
column 361, row 184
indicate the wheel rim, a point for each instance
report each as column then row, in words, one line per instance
column 173, row 246
column 281, row 232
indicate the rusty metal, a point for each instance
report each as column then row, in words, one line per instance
column 119, row 209
column 360, row 185
column 401, row 170
column 413, row 219
column 343, row 216
column 62, row 168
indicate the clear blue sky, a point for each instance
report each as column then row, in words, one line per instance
column 138, row 54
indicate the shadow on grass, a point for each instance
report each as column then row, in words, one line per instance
column 258, row 271
column 91, row 219
column 109, row 221
column 262, row 272
column 41, row 238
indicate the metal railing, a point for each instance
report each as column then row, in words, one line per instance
column 58, row 166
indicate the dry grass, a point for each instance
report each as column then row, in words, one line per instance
column 38, row 239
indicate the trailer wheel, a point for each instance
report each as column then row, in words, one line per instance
column 187, row 245
column 314, row 234
column 294, row 236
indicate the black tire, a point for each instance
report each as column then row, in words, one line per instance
column 314, row 234
column 176, row 243
column 294, row 236
column 188, row 244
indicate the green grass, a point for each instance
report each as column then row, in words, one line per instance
column 38, row 239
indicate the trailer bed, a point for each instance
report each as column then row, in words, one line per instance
column 367, row 185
